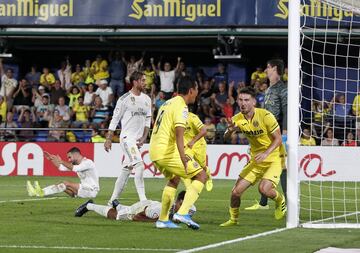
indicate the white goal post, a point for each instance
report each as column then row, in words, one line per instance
column 323, row 107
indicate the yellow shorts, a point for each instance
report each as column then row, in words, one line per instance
column 171, row 167
column 253, row 171
column 199, row 154
column 283, row 155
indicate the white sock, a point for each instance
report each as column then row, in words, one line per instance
column 100, row 209
column 139, row 180
column 53, row 189
column 120, row 183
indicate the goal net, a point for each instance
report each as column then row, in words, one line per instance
column 330, row 114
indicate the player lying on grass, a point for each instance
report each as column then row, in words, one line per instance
column 145, row 210
column 85, row 169
column 263, row 132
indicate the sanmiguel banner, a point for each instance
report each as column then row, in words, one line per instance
column 143, row 13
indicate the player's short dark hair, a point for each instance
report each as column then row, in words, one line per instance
column 74, row 150
column 248, row 90
column 185, row 84
column 279, row 65
column 181, row 195
column 136, row 75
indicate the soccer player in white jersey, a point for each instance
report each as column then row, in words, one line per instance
column 145, row 210
column 133, row 110
column 85, row 169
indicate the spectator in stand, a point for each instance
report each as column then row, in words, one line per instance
column 63, row 109
column 160, row 100
column 339, row 107
column 56, row 92
column 99, row 113
column 8, row 83
column 350, row 140
column 234, row 139
column 47, row 79
column 260, row 95
column 132, row 65
column 259, row 75
column 96, row 137
column 284, row 77
column 182, row 71
column 219, row 77
column 8, row 135
column 23, row 95
column 117, row 70
column 210, row 131
column 78, row 77
column 220, row 130
column 73, row 95
column 33, row 77
column 319, row 113
column 205, row 99
column 56, row 121
column 167, row 77
column 81, row 112
column 3, row 108
column 64, row 73
column 27, row 119
column 105, row 93
column 37, row 96
column 89, row 95
column 329, row 139
column 356, row 106
column 150, row 76
column 44, row 111
column 99, row 68
column 89, row 76
column 200, row 77
column 306, row 139
column 218, row 100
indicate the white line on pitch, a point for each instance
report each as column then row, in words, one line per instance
column 29, row 200
column 82, row 248
column 219, row 244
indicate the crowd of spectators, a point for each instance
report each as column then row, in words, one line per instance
column 81, row 98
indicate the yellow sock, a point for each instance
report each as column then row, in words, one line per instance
column 167, row 200
column 278, row 198
column 187, row 182
column 192, row 194
column 234, row 213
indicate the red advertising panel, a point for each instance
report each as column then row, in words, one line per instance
column 27, row 158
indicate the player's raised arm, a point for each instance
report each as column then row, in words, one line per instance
column 230, row 129
column 117, row 115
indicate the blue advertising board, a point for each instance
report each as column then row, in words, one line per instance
column 142, row 13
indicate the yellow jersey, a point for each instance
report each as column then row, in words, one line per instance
column 149, row 78
column 258, row 75
column 356, row 106
column 81, row 112
column 49, row 78
column 307, row 142
column 258, row 131
column 77, row 77
column 100, row 70
column 173, row 113
column 3, row 110
column 193, row 127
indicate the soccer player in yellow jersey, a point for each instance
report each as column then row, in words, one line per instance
column 167, row 151
column 196, row 145
column 263, row 132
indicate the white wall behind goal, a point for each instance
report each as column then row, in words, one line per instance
column 227, row 161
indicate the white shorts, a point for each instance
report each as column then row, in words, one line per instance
column 131, row 152
column 87, row 192
column 152, row 210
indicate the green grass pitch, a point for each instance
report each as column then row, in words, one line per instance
column 50, row 226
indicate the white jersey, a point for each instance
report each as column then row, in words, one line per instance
column 134, row 113
column 152, row 210
column 87, row 173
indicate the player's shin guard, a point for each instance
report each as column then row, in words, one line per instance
column 120, row 183
column 234, row 213
column 102, row 210
column 186, row 181
column 139, row 180
column 167, row 200
column 278, row 198
column 191, row 195
column 53, row 189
